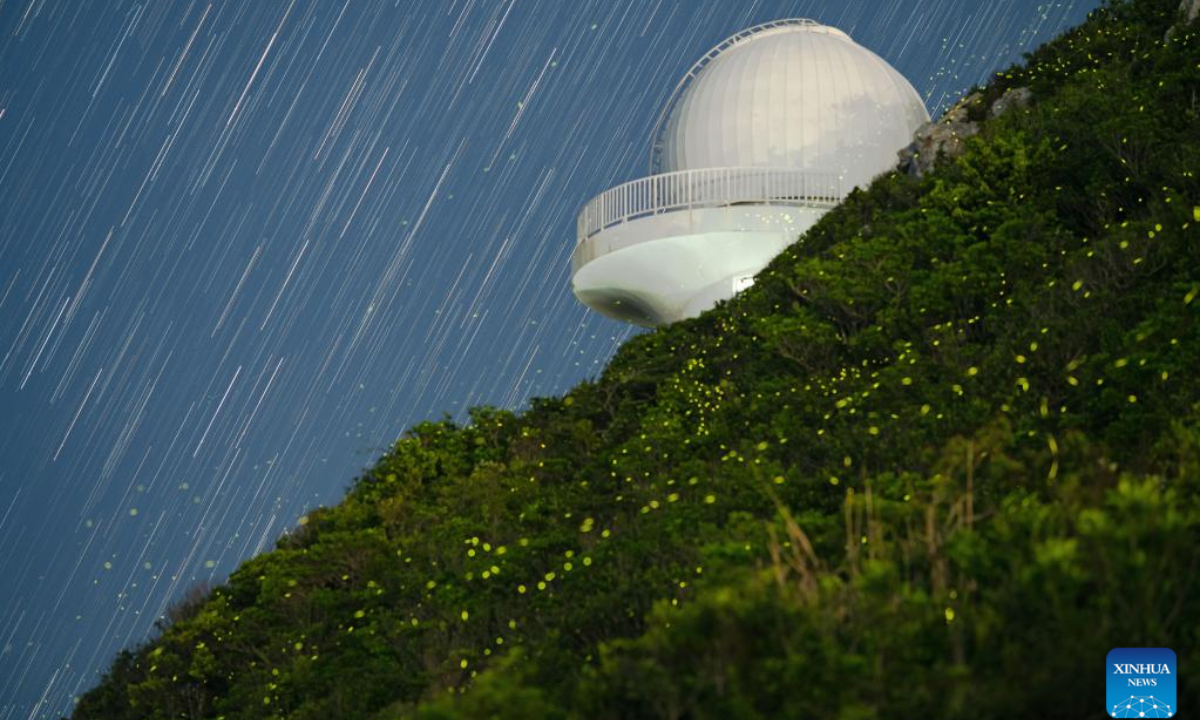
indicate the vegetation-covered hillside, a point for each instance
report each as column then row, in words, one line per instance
column 937, row 462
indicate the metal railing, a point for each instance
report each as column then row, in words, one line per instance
column 707, row 188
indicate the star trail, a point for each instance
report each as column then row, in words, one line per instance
column 243, row 246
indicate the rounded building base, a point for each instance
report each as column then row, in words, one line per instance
column 658, row 269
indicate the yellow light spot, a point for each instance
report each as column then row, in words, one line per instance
column 465, row 615
column 833, row 480
column 710, row 499
column 949, row 615
column 972, row 371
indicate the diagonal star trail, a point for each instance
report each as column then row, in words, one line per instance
column 243, row 246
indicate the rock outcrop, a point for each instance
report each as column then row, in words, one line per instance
column 946, row 137
column 1013, row 98
column 1190, row 9
column 941, row 138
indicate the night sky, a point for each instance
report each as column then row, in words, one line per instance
column 244, row 245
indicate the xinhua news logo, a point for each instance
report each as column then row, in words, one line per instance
column 1141, row 683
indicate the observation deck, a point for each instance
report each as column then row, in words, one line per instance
column 668, row 246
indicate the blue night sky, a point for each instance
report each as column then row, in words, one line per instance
column 244, row 245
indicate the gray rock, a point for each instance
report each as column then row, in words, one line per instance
column 943, row 138
column 1013, row 98
column 1190, row 9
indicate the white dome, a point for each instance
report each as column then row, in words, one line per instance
column 790, row 94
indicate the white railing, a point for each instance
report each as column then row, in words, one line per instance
column 707, row 188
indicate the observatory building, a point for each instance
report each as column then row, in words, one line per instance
column 762, row 136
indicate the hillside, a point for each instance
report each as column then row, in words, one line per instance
column 937, row 462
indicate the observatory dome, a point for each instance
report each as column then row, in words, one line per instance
column 789, row 94
column 766, row 132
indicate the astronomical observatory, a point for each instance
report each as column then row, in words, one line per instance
column 765, row 133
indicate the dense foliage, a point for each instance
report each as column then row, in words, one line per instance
column 941, row 458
